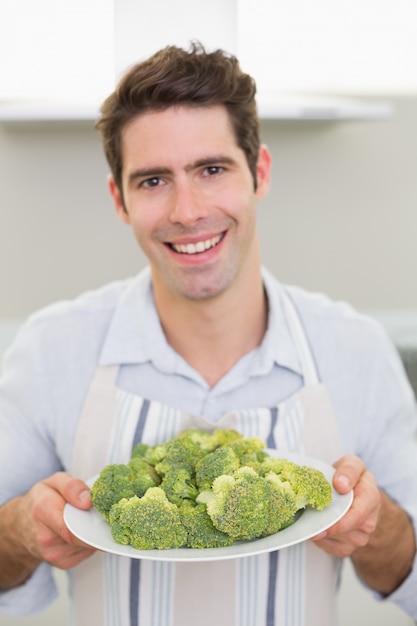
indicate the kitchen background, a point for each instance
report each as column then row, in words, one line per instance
column 340, row 218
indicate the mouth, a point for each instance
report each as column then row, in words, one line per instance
column 198, row 247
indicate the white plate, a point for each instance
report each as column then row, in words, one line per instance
column 92, row 529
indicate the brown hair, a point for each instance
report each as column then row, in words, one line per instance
column 174, row 76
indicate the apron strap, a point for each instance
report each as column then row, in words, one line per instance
column 302, row 345
column 95, row 423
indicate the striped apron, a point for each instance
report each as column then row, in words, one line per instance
column 295, row 586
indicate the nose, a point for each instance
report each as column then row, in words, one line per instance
column 188, row 204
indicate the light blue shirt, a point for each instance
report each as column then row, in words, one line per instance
column 49, row 367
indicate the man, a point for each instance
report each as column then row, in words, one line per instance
column 205, row 337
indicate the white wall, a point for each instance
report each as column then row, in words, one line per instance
column 344, row 208
column 341, row 216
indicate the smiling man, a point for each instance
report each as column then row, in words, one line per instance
column 188, row 193
column 204, row 337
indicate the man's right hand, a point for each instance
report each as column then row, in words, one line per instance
column 32, row 529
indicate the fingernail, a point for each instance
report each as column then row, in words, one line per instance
column 343, row 482
column 84, row 496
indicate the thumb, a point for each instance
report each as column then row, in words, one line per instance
column 74, row 490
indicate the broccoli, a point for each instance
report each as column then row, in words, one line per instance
column 117, row 481
column 141, row 450
column 178, row 452
column 203, row 490
column 221, row 461
column 311, row 487
column 249, row 450
column 151, row 454
column 178, row 485
column 246, row 505
column 202, row 438
column 273, row 464
column 147, row 523
column 239, row 505
column 225, row 436
column 201, row 533
column 283, row 505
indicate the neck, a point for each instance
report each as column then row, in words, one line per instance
column 212, row 335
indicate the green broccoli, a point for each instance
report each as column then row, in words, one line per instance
column 201, row 533
column 178, row 485
column 310, row 485
column 249, row 450
column 179, row 452
column 117, row 481
column 147, row 523
column 151, row 454
column 225, row 436
column 202, row 438
column 283, row 505
column 273, row 464
column 141, row 450
column 214, row 464
column 239, row 505
column 204, row 490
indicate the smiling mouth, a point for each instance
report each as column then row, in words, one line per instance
column 197, row 248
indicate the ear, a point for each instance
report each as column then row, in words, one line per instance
column 263, row 172
column 118, row 200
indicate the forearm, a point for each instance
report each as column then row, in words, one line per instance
column 386, row 561
column 16, row 563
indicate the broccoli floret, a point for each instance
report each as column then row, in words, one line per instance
column 203, row 439
column 154, row 454
column 140, row 450
column 246, row 505
column 221, row 461
column 273, row 464
column 283, row 504
column 117, row 481
column 249, row 450
column 239, row 505
column 225, row 436
column 180, row 452
column 201, row 533
column 310, row 485
column 178, row 485
column 147, row 523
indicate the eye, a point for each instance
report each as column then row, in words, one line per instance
column 150, row 183
column 212, row 170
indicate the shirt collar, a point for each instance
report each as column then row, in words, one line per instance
column 135, row 335
column 278, row 345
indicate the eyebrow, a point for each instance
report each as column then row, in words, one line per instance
column 148, row 173
column 161, row 171
column 212, row 160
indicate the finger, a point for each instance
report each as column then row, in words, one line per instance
column 343, row 545
column 48, row 501
column 349, row 470
column 73, row 490
column 60, row 553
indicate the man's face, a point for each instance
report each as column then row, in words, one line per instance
column 189, row 196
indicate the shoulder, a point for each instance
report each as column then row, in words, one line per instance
column 102, row 299
column 335, row 318
column 334, row 328
column 62, row 327
column 350, row 346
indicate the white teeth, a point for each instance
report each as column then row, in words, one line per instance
column 195, row 248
